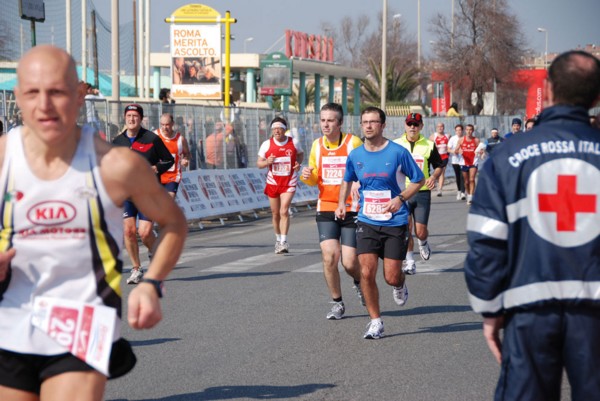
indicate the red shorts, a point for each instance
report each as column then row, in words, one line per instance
column 273, row 191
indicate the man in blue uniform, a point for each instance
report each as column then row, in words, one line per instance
column 381, row 166
column 533, row 269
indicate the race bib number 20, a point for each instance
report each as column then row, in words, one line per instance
column 84, row 330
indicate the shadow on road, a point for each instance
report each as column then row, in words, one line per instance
column 446, row 328
column 253, row 392
column 225, row 275
column 154, row 341
column 423, row 310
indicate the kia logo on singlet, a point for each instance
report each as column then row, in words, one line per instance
column 51, row 213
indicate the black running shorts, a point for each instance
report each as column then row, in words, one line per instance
column 386, row 242
column 330, row 227
column 420, row 206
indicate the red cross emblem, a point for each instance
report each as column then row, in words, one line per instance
column 566, row 203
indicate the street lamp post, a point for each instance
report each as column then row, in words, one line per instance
column 419, row 48
column 250, row 39
column 546, row 49
column 383, row 55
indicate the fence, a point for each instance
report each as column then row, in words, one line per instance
column 197, row 123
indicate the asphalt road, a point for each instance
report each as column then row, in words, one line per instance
column 242, row 323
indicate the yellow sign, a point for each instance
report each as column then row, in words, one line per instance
column 195, row 10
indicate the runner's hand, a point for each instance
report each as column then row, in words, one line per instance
column 5, row 258
column 144, row 310
column 491, row 332
column 307, row 172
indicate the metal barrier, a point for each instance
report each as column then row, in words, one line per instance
column 197, row 123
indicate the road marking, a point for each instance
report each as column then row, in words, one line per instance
column 440, row 262
column 251, row 262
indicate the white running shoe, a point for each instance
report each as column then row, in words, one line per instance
column 360, row 295
column 284, row 247
column 337, row 311
column 458, row 195
column 425, row 251
column 136, row 276
column 400, row 295
column 439, row 192
column 469, row 199
column 409, row 267
column 277, row 247
column 462, row 196
column 374, row 331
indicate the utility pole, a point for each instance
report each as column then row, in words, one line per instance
column 95, row 50
column 135, row 52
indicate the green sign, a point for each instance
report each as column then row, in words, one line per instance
column 276, row 75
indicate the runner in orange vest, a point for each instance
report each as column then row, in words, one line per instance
column 179, row 149
column 337, row 237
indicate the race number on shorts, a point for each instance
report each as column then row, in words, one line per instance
column 84, row 330
column 374, row 201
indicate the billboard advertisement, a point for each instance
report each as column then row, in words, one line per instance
column 196, row 63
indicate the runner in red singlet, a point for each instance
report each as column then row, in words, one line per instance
column 467, row 146
column 440, row 139
column 282, row 156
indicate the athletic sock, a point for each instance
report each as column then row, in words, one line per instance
column 278, row 236
column 337, row 299
column 376, row 321
column 409, row 255
column 422, row 243
column 356, row 283
column 283, row 238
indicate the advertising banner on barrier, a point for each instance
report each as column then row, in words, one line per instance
column 209, row 193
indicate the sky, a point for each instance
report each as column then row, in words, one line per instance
column 569, row 23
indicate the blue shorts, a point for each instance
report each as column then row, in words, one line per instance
column 171, row 187
column 465, row 169
column 129, row 210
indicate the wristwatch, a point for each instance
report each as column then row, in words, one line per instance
column 401, row 198
column 158, row 285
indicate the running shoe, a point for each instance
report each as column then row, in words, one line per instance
column 360, row 294
column 374, row 331
column 277, row 247
column 284, row 247
column 425, row 251
column 337, row 311
column 458, row 195
column 439, row 192
column 136, row 276
column 469, row 199
column 409, row 267
column 400, row 294
column 462, row 196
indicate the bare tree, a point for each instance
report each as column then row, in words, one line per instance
column 362, row 49
column 486, row 47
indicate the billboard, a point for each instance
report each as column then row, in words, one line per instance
column 276, row 75
column 196, row 63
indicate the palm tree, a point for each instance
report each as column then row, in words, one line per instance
column 310, row 95
column 400, row 83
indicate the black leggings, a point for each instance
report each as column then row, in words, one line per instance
column 460, row 183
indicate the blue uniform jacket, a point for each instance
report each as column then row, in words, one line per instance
column 533, row 228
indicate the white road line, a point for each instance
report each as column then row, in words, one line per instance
column 256, row 261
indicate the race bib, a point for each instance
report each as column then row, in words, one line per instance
column 282, row 166
column 374, row 201
column 333, row 168
column 84, row 330
column 420, row 160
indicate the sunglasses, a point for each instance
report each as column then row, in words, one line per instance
column 412, row 124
